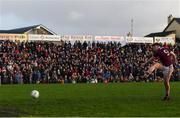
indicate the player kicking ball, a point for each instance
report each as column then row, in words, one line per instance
column 167, row 59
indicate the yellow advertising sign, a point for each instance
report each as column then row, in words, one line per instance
column 19, row 37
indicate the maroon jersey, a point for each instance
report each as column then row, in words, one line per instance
column 164, row 55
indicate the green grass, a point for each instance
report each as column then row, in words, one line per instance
column 121, row 99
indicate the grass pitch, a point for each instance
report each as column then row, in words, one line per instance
column 120, row 99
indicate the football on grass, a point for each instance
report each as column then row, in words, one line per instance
column 35, row 94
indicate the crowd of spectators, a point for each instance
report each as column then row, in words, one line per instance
column 47, row 62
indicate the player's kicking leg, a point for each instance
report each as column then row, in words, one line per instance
column 152, row 68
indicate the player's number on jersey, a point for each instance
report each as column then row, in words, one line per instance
column 166, row 52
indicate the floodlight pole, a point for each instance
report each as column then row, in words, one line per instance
column 132, row 27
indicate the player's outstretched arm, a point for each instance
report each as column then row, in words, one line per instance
column 174, row 56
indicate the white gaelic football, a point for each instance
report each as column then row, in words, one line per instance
column 35, row 94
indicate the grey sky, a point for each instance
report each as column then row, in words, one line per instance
column 94, row 17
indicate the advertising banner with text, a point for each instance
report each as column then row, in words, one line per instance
column 34, row 37
column 167, row 40
column 139, row 39
column 73, row 38
column 109, row 39
column 20, row 37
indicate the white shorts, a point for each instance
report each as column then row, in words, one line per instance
column 167, row 70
